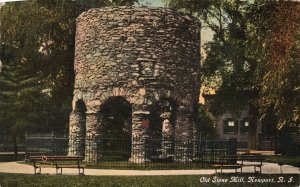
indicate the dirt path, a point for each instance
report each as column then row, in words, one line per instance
column 268, row 168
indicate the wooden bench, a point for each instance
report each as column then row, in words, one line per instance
column 57, row 162
column 254, row 160
column 228, row 161
column 239, row 161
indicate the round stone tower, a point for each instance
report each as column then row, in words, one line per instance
column 149, row 57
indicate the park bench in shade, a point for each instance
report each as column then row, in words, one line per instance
column 239, row 161
column 57, row 162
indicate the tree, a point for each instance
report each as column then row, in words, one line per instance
column 42, row 34
column 20, row 97
column 227, row 67
column 253, row 57
column 279, row 44
column 205, row 122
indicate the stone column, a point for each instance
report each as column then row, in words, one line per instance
column 167, row 135
column 183, row 141
column 140, row 124
column 76, row 134
column 93, row 135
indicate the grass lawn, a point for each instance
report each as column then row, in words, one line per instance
column 14, row 180
column 289, row 160
column 11, row 157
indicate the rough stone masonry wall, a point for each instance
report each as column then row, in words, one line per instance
column 142, row 54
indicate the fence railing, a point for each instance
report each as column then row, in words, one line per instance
column 45, row 144
column 155, row 151
column 12, row 146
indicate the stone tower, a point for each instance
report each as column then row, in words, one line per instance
column 146, row 56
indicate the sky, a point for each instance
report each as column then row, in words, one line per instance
column 155, row 3
column 206, row 35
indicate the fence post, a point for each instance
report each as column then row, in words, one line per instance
column 232, row 148
column 15, row 146
column 25, row 142
column 52, row 142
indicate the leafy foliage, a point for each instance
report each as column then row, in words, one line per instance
column 205, row 122
column 42, row 36
column 253, row 57
column 279, row 43
column 20, row 97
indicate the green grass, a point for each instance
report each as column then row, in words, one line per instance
column 122, row 165
column 11, row 157
column 149, row 166
column 13, row 180
column 289, row 160
column 146, row 166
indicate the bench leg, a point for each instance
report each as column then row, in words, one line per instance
column 58, row 172
column 35, row 168
column 39, row 172
column 80, row 173
column 256, row 171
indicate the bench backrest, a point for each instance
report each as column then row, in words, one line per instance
column 55, row 158
column 254, row 158
column 235, row 158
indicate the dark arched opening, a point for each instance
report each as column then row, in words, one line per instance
column 162, row 129
column 78, row 126
column 116, row 114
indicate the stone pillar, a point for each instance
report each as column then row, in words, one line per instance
column 140, row 124
column 93, row 135
column 183, row 141
column 77, row 134
column 167, row 135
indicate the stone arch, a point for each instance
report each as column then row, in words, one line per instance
column 183, row 101
column 129, row 95
column 183, row 126
column 162, row 128
column 116, row 112
column 116, row 127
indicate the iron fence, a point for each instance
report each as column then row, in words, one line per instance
column 111, row 152
column 12, row 145
column 45, row 144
